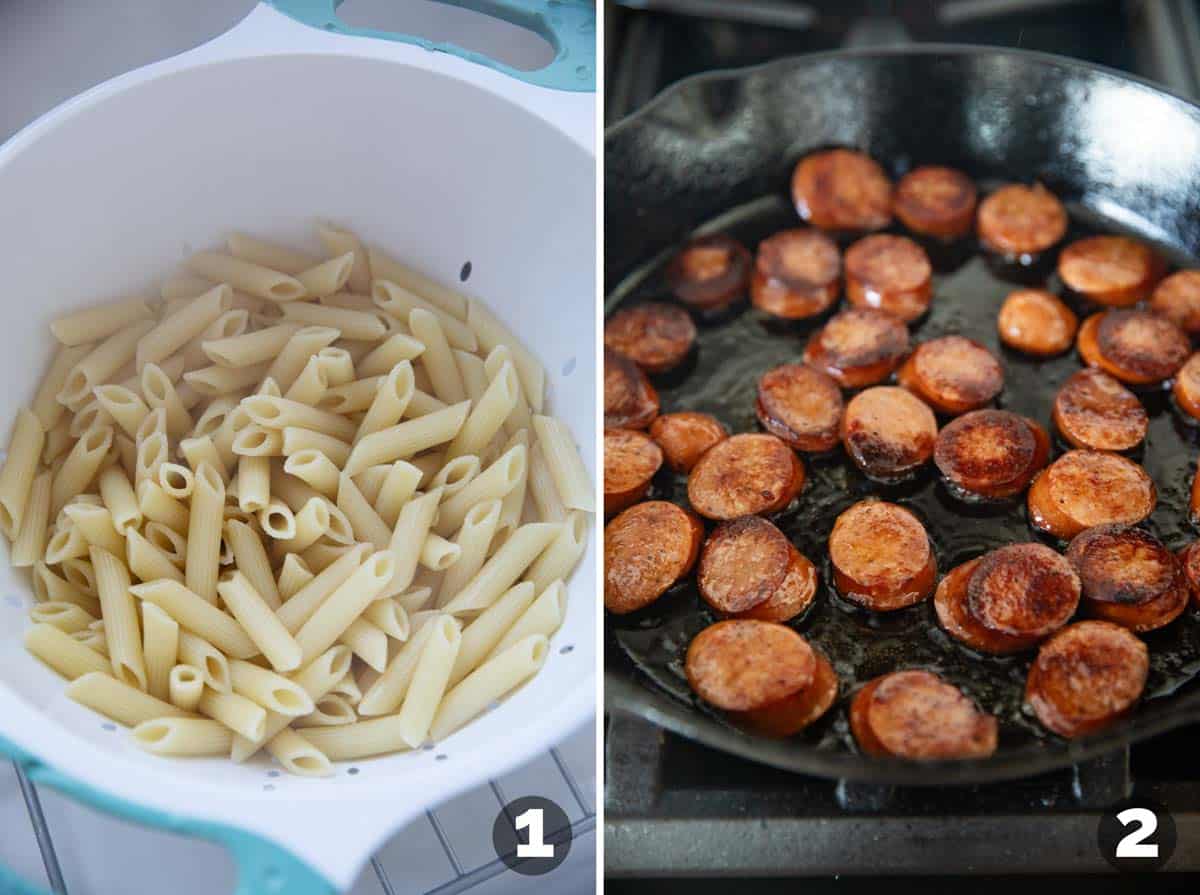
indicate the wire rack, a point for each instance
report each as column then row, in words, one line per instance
column 464, row 878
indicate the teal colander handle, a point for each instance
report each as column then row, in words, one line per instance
column 264, row 868
column 569, row 25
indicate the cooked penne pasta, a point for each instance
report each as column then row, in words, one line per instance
column 160, row 392
column 338, row 363
column 342, row 607
column 121, row 630
column 272, row 691
column 398, row 487
column 119, row 701
column 279, row 413
column 429, row 679
column 29, row 543
column 204, row 533
column 236, row 712
column 400, row 303
column 331, row 710
column 160, row 646
column 67, row 617
column 183, row 737
column 277, row 520
column 148, row 562
column 366, row 523
column 407, row 439
column 504, row 567
column 543, row 489
column 327, row 277
column 352, row 397
column 300, row 606
column 337, row 241
column 390, row 401
column 437, row 360
column 438, row 554
column 473, row 538
column 251, row 348
column 298, row 755
column 260, row 622
column 570, row 476
column 297, row 439
column 253, row 483
column 99, row 322
column 391, row 351
column 497, row 676
column 99, row 365
column 543, row 617
column 490, row 333
column 494, row 483
column 252, row 560
column 67, row 656
column 368, row 642
column 359, row 740
column 310, row 385
column 216, row 381
column 158, row 506
column 269, row 254
column 185, row 686
column 314, row 468
column 198, row 616
column 247, row 276
column 212, row 664
column 96, row 526
column 294, row 574
column 351, row 324
column 20, row 468
column 488, row 414
column 385, row 267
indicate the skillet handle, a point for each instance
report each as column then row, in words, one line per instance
column 569, row 26
column 263, row 866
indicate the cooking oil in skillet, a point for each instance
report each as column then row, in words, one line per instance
column 721, row 378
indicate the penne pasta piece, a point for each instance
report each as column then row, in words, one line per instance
column 473, row 538
column 348, row 688
column 67, row 617
column 337, row 241
column 272, row 691
column 212, row 420
column 269, row 254
column 253, row 483
column 259, row 621
column 387, row 693
column 236, row 712
column 385, row 267
column 471, row 369
column 296, row 439
column 88, row 416
column 170, row 542
column 519, row 417
column 390, row 401
column 571, row 477
column 250, row 349
column 488, row 414
column 204, row 533
column 201, row 449
column 298, row 756
column 96, row 526
column 121, row 630
column 291, row 490
column 99, row 365
column 49, row 586
column 365, row 522
column 489, row 627
column 361, row 739
column 407, row 439
column 257, row 441
column 438, row 554
column 504, row 567
column 158, row 506
column 118, row 497
column 351, row 300
column 277, row 520
column 455, row 474
column 397, row 489
column 29, row 545
column 299, row 608
column 330, row 710
column 351, row 324
column 352, row 397
column 61, row 652
column 437, row 359
column 309, row 525
column 279, row 413
column 543, row 489
column 99, row 321
column 183, row 737
column 327, row 277
column 490, row 333
column 197, row 615
column 216, row 381
column 246, row 276
column 494, row 483
column 20, row 467
column 148, row 562
column 58, row 439
column 154, row 423
column 81, row 574
column 252, row 561
column 390, row 617
column 543, row 617
column 119, row 701
column 184, row 325
column 345, row 604
column 45, row 405
column 160, row 647
column 563, row 554
column 179, row 286
column 310, row 385
column 315, row 469
column 160, row 392
column 498, row 676
column 368, row 642
column 176, row 480
column 294, row 574
column 400, row 303
column 423, row 404
column 338, row 364
column 391, row 351
column 429, row 678
column 412, row 528
column 212, row 664
column 304, row 343
column 185, row 686
column 513, row 504
column 65, row 543
column 151, row 454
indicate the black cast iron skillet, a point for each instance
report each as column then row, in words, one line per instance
column 715, row 153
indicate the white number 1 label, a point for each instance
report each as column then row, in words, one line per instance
column 535, row 847
column 1133, row 844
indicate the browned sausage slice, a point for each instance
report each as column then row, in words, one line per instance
column 888, row 432
column 1137, row 347
column 647, row 549
column 1086, row 677
column 891, row 273
column 801, row 405
column 1178, row 298
column 881, row 556
column 950, row 603
column 710, row 272
column 1189, row 559
column 744, row 561
column 630, row 461
column 630, row 401
column 745, row 475
column 990, row 454
column 792, row 714
column 797, row 274
column 1194, row 499
column 1129, row 577
column 1021, row 220
column 743, row 664
column 1023, row 590
column 858, row 347
column 1093, row 410
column 1036, row 322
column 1187, row 387
column 840, row 189
column 954, row 374
column 1082, row 489
column 655, row 336
column 936, row 201
column 793, row 596
column 685, row 436
column 918, row 716
column 1110, row 270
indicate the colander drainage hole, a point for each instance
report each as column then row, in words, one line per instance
column 566, row 649
column 465, row 273
column 272, row 773
column 441, row 757
column 428, row 747
column 107, row 726
column 569, row 367
column 352, row 771
column 269, row 787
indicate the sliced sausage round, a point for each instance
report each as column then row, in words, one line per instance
column 1178, row 298
column 1187, row 387
column 631, row 460
column 655, row 336
column 888, row 432
column 1110, row 270
column 1129, row 577
column 749, row 568
column 1093, row 410
column 840, row 189
column 685, row 436
column 1194, row 499
column 917, row 715
column 647, row 549
column 710, row 272
column 891, row 273
column 953, row 374
column 1082, row 489
column 1019, row 220
column 630, row 401
column 1189, row 561
column 745, row 475
column 881, row 555
column 800, row 405
column 936, row 201
column 797, row 274
column 790, row 715
column 740, row 665
column 990, row 454
column 1023, row 590
column 858, row 347
column 1036, row 322
column 1137, row 347
column 1086, row 677
column 950, row 604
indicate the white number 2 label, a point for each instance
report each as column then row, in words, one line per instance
column 536, row 848
column 1132, row 844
